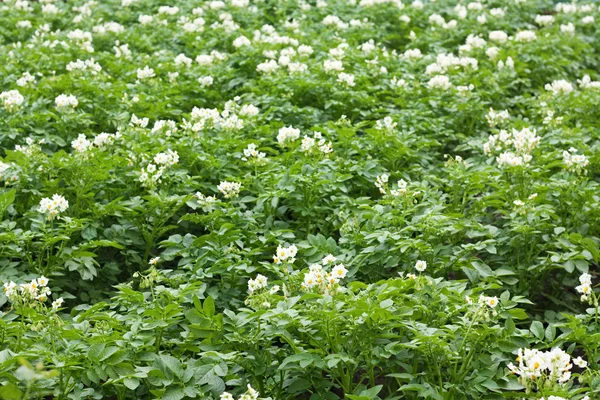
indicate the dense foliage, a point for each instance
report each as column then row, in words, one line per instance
column 289, row 199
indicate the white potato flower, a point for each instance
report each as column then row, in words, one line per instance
column 53, row 206
column 421, row 265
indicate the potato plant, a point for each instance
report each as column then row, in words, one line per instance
column 299, row 199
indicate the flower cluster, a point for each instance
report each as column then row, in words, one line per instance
column 66, row 102
column 490, row 301
column 537, row 366
column 30, row 294
column 138, row 122
column 495, row 118
column 53, row 206
column 153, row 172
column 551, row 118
column 258, row 295
column 178, row 85
column 517, row 146
column 167, row 127
column 12, row 100
column 205, row 81
column 524, row 207
column 105, row 139
column 251, row 154
column 587, row 83
column 81, row 144
column 381, row 183
column 439, row 82
column 82, row 39
column 447, row 62
column 561, row 398
column 285, row 254
column 229, row 119
column 484, row 302
column 402, row 190
column 250, row 394
column 30, row 147
column 318, row 280
column 559, row 87
column 229, row 189
column 346, row 79
column 260, row 282
column 145, row 73
column 83, row 66
column 206, row 202
column 398, row 83
column 585, row 287
column 544, row 20
column 317, row 142
column 525, row 36
column 166, row 159
column 287, row 134
column 28, row 80
column 35, row 290
column 438, row 20
column 575, row 162
column 455, row 161
column 386, row 124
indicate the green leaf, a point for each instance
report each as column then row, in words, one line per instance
column 372, row 392
column 484, row 270
column 491, row 385
column 209, row 307
column 509, row 326
column 95, row 351
column 6, row 199
column 303, row 360
column 108, row 352
column 518, row 313
column 197, row 304
column 512, row 384
column 550, row 333
column 386, row 303
column 10, row 391
column 537, row 328
column 173, row 364
column 569, row 266
column 401, row 375
column 298, row 386
column 131, row 383
column 174, row 393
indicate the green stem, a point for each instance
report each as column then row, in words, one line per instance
column 60, row 384
column 467, row 361
column 595, row 302
column 159, row 339
column 465, row 339
column 27, row 390
column 18, row 347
